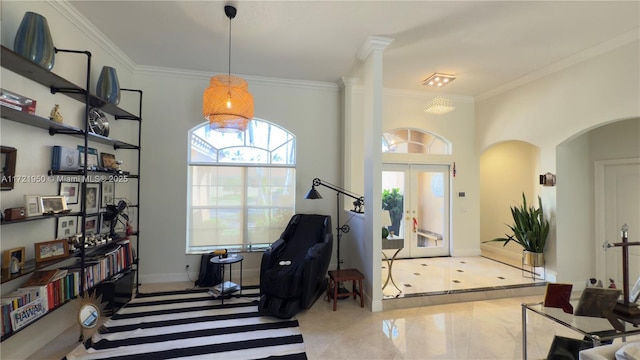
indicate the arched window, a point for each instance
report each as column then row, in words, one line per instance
column 241, row 186
column 412, row 141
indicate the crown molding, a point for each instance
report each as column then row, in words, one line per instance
column 257, row 80
column 346, row 81
column 373, row 43
column 87, row 28
column 602, row 48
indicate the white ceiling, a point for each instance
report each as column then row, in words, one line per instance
column 486, row 44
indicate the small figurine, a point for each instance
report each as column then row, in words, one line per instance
column 612, row 284
column 55, row 114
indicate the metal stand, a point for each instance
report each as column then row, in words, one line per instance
column 531, row 273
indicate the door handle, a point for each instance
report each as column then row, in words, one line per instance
column 415, row 225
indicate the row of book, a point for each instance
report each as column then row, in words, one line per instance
column 43, row 291
column 48, row 289
column 104, row 266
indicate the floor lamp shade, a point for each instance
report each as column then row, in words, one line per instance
column 33, row 40
column 227, row 104
column 108, row 87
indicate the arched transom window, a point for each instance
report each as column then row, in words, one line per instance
column 412, row 141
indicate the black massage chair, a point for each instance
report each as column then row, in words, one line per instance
column 293, row 271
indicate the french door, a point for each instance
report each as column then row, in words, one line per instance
column 417, row 198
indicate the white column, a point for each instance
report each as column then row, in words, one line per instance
column 371, row 54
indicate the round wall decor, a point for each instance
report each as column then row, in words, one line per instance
column 98, row 123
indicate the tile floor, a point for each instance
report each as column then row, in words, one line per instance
column 489, row 329
column 451, row 274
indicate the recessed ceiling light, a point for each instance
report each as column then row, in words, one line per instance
column 438, row 80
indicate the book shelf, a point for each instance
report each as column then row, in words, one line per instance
column 96, row 264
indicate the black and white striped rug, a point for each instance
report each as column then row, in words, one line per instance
column 192, row 324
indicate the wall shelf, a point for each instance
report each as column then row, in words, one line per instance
column 86, row 257
column 57, row 128
column 18, row 64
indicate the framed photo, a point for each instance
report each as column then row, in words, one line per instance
column 70, row 192
column 7, row 167
column 53, row 204
column 105, row 225
column 108, row 193
column 51, row 250
column 92, row 195
column 108, row 161
column 92, row 157
column 91, row 225
column 67, row 226
column 8, row 255
column 634, row 294
column 32, row 205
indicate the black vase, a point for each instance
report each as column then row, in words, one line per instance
column 33, row 40
column 108, row 87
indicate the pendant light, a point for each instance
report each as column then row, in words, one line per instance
column 227, row 103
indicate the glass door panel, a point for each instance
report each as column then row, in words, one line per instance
column 417, row 198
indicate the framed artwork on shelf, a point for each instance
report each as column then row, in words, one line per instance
column 92, row 196
column 9, row 255
column 51, row 250
column 108, row 193
column 92, row 157
column 7, row 166
column 67, row 226
column 32, row 205
column 108, row 161
column 70, row 191
column 53, row 204
column 105, row 225
column 91, row 224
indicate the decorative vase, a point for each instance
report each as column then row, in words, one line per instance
column 33, row 40
column 108, row 87
column 532, row 258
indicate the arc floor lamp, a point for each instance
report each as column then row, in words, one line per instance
column 358, row 205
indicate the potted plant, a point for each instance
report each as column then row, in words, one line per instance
column 393, row 201
column 530, row 230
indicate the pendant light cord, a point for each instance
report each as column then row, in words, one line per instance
column 229, row 50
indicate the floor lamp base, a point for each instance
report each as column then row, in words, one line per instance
column 341, row 291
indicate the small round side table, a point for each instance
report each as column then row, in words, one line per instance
column 229, row 260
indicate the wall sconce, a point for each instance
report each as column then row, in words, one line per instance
column 548, row 179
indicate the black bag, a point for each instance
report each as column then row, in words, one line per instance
column 210, row 273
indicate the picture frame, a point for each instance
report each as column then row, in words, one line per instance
column 92, row 196
column 634, row 294
column 67, row 227
column 92, row 157
column 8, row 157
column 53, row 204
column 19, row 253
column 32, row 205
column 51, row 250
column 70, row 191
column 91, row 225
column 107, row 193
column 108, row 161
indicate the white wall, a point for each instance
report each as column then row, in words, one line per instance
column 507, row 170
column 552, row 109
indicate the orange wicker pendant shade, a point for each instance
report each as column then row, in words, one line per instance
column 227, row 104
